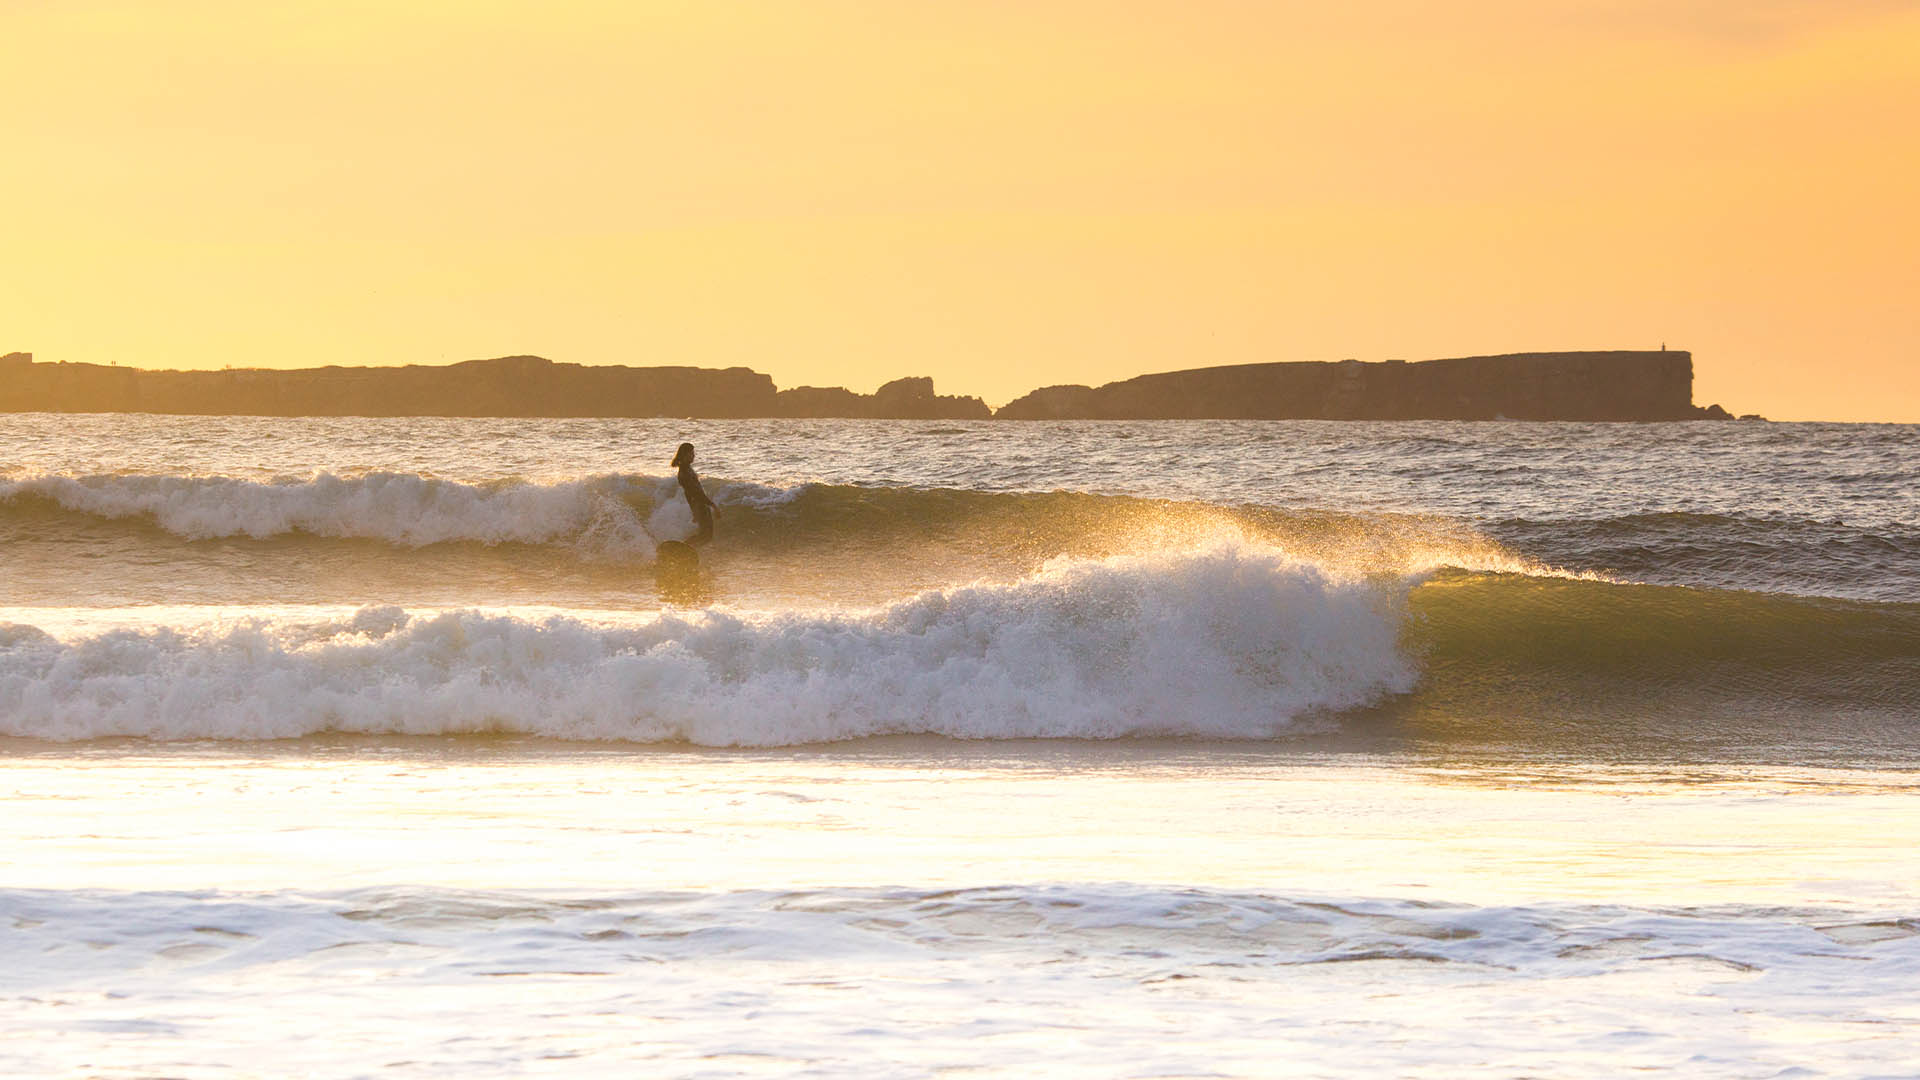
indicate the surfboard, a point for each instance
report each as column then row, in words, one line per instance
column 674, row 557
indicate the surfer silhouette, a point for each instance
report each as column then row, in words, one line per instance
column 697, row 501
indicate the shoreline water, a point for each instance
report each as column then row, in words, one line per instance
column 1557, row 750
column 891, row 910
column 927, row 812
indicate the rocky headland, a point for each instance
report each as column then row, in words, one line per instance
column 508, row 386
column 1514, row 386
column 1518, row 386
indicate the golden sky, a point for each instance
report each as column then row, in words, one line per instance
column 998, row 193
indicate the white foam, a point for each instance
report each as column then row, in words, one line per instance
column 1230, row 642
column 399, row 508
column 1043, row 980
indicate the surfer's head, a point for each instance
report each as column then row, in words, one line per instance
column 682, row 456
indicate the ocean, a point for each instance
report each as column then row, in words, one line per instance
column 355, row 747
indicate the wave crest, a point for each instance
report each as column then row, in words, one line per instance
column 1230, row 642
column 622, row 516
column 403, row 509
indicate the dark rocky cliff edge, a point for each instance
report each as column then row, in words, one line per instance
column 509, row 386
column 1515, row 386
column 901, row 399
column 1518, row 386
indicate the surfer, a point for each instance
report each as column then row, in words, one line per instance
column 697, row 501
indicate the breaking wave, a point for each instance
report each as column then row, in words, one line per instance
column 623, row 516
column 1227, row 643
column 403, row 509
column 1235, row 641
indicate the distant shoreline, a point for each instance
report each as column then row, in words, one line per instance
column 1580, row 386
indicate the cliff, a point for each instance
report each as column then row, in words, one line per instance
column 1518, row 386
column 1515, row 386
column 508, row 386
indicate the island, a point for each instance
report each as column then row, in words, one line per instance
column 1616, row 385
column 1587, row 386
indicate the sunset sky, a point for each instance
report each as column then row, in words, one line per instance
column 999, row 194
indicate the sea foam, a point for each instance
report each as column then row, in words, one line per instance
column 398, row 508
column 1229, row 642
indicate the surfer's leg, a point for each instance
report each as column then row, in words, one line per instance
column 703, row 518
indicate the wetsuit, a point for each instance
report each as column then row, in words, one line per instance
column 697, row 502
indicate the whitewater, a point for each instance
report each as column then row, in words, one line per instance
column 1156, row 748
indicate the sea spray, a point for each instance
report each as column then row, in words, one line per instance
column 1229, row 642
column 400, row 508
column 622, row 516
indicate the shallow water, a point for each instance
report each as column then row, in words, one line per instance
column 444, row 907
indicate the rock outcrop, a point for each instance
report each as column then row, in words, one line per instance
column 913, row 398
column 820, row 402
column 901, row 399
column 1516, row 386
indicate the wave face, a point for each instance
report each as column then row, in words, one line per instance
column 619, row 518
column 1537, row 659
column 1229, row 643
column 413, row 541
column 317, row 539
